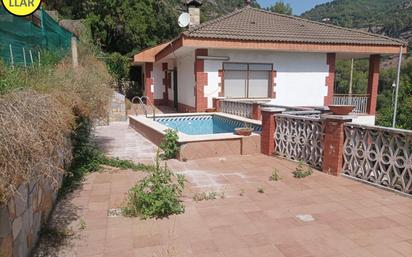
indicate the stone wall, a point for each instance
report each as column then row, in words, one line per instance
column 27, row 210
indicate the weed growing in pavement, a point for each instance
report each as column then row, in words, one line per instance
column 302, row 170
column 157, row 196
column 275, row 176
column 205, row 196
column 261, row 190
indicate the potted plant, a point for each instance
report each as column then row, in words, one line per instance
column 246, row 130
column 341, row 109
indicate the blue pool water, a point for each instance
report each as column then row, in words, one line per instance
column 203, row 125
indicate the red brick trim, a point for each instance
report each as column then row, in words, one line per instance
column 166, row 82
column 185, row 108
column 221, row 75
column 373, row 83
column 333, row 147
column 267, row 143
column 272, row 86
column 201, row 81
column 216, row 104
column 330, row 79
column 148, row 80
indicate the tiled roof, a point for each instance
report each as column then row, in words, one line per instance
column 258, row 25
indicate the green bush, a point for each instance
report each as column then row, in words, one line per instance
column 302, row 170
column 157, row 196
column 170, row 145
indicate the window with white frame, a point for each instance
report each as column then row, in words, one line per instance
column 247, row 80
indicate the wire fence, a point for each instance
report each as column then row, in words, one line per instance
column 22, row 39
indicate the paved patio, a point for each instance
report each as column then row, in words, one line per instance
column 350, row 218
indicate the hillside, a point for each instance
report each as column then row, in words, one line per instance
column 392, row 18
column 127, row 26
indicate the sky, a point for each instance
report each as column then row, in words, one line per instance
column 298, row 6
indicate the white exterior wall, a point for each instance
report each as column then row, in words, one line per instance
column 300, row 80
column 186, row 79
column 365, row 120
column 158, row 76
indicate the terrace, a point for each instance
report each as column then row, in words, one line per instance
column 320, row 215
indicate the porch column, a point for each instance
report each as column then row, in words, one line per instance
column 201, row 81
column 267, row 138
column 330, row 79
column 148, row 80
column 373, row 83
column 333, row 143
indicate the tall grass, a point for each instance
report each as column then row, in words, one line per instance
column 41, row 109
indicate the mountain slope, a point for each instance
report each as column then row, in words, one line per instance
column 392, row 18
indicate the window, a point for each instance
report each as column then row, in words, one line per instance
column 243, row 80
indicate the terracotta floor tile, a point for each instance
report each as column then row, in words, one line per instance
column 293, row 249
column 351, row 218
column 148, row 241
column 404, row 248
column 383, row 251
column 203, row 247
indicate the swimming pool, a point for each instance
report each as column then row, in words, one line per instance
column 204, row 125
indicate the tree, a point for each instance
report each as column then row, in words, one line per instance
column 385, row 106
column 126, row 26
column 281, row 7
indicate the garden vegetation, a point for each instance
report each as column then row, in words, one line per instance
column 158, row 195
column 45, row 113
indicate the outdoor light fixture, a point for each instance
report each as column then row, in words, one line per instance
column 217, row 58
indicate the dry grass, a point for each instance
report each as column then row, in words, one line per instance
column 36, row 123
column 33, row 138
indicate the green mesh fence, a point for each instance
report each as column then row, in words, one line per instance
column 23, row 39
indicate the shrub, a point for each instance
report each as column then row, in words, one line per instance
column 275, row 176
column 157, row 196
column 170, row 145
column 302, row 170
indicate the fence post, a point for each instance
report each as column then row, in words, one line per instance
column 333, row 143
column 267, row 138
column 216, row 103
column 11, row 56
column 256, row 113
column 75, row 58
column 24, row 57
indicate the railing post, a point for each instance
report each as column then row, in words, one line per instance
column 256, row 113
column 216, row 104
column 267, row 138
column 333, row 143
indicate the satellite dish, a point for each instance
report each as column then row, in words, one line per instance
column 184, row 20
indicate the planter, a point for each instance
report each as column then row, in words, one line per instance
column 341, row 109
column 243, row 131
column 211, row 110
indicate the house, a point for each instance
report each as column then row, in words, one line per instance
column 256, row 54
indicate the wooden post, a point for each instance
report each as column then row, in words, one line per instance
column 75, row 57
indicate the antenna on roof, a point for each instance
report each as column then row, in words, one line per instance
column 184, row 20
